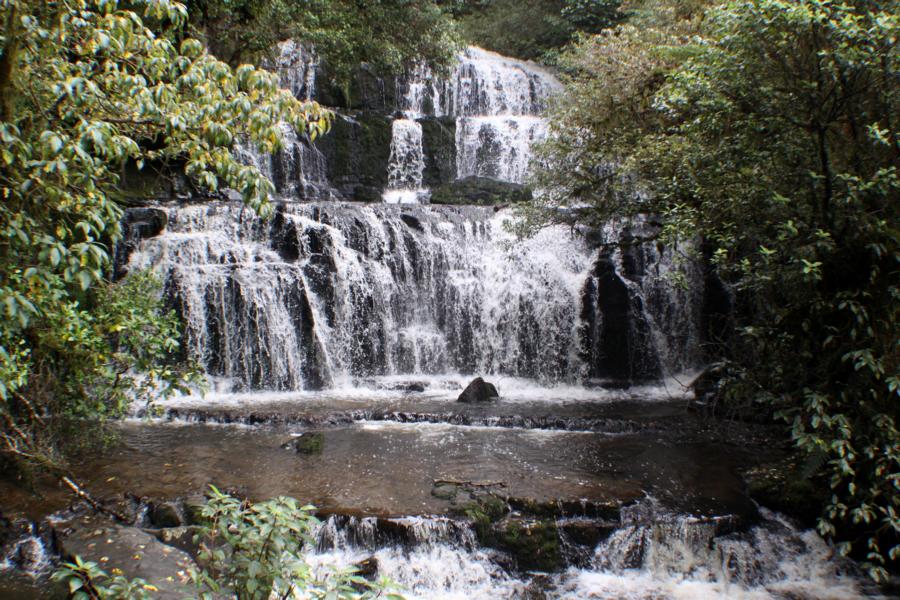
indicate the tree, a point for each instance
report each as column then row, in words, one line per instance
column 774, row 138
column 532, row 29
column 386, row 34
column 88, row 86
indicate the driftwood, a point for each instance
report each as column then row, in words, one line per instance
column 474, row 484
column 76, row 489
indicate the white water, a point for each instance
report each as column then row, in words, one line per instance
column 498, row 147
column 497, row 103
column 371, row 292
column 664, row 558
column 407, row 163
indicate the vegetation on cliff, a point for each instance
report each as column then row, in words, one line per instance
column 531, row 29
column 768, row 130
column 387, row 35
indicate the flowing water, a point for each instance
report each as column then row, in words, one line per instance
column 360, row 324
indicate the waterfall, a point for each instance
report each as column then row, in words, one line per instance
column 331, row 291
column 497, row 104
column 296, row 66
column 406, row 165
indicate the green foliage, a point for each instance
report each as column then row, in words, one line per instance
column 252, row 550
column 85, row 580
column 387, row 34
column 768, row 128
column 248, row 551
column 86, row 86
column 532, row 29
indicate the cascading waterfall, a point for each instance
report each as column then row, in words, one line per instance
column 406, row 165
column 498, row 147
column 334, row 291
column 497, row 103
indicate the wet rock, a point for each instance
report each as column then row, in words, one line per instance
column 445, row 492
column 132, row 551
column 357, row 152
column 305, row 443
column 412, row 222
column 166, row 514
column 587, row 532
column 479, row 390
column 783, row 486
column 614, row 332
column 539, row 588
column 179, row 537
column 439, row 150
column 137, row 224
column 367, row 568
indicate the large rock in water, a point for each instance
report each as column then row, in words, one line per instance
column 479, row 391
column 132, row 551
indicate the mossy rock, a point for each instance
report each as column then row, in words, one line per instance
column 484, row 511
column 533, row 544
column 306, row 443
column 480, row 191
column 439, row 149
column 357, row 152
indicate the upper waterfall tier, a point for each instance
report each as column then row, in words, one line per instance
column 331, row 291
column 481, row 84
column 397, row 139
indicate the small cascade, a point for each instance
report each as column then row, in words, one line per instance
column 348, row 533
column 297, row 65
column 497, row 105
column 406, row 165
column 482, row 83
column 656, row 554
column 498, row 147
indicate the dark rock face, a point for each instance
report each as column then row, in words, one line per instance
column 367, row 90
column 439, row 149
column 479, row 390
column 481, row 191
column 616, row 335
column 357, row 151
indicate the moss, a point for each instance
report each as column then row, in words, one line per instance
column 481, row 191
column 484, row 511
column 533, row 544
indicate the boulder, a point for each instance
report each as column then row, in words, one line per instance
column 138, row 224
column 133, row 552
column 478, row 390
column 305, row 443
column 444, row 492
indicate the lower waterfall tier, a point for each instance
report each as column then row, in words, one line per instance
column 327, row 291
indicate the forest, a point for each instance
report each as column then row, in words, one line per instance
column 545, row 298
